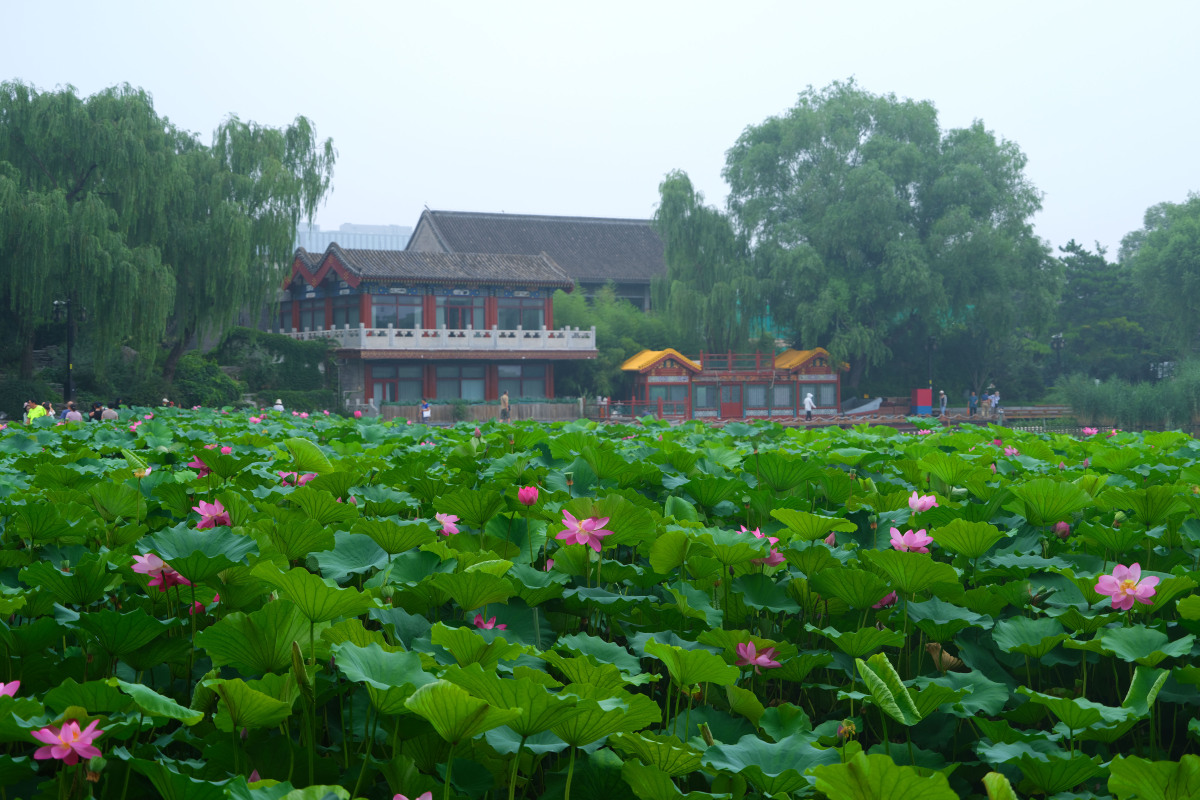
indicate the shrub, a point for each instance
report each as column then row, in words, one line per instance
column 316, row 400
column 272, row 362
column 14, row 393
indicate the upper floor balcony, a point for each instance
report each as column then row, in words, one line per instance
column 519, row 340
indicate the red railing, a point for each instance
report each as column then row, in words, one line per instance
column 737, row 362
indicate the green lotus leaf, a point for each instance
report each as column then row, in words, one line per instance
column 669, row 551
column 710, row 491
column 731, row 548
column 586, row 670
column 979, row 694
column 16, row 769
column 155, row 705
column 744, row 702
column 1031, row 637
column 1144, row 689
column 470, row 647
column 540, row 708
column 473, row 507
column 322, row 507
column 773, row 768
column 1189, row 608
column 941, row 620
column 726, row 642
column 1113, row 540
column 114, row 501
column 1145, row 646
column 1058, row 774
column 337, row 483
column 651, row 783
column 762, row 593
column 1077, row 713
column 874, row 777
column 784, row 720
column 454, row 713
column 911, row 573
column 225, row 466
column 601, row 716
column 690, row 667
column 952, row 470
column 295, row 535
column 1079, row 622
column 87, row 581
column 782, row 472
column 395, row 537
column 391, row 678
column 307, row 457
column 120, row 634
column 318, row 599
column 604, row 652
column 241, row 706
column 857, row 588
column 352, row 554
column 259, row 642
column 890, row 694
column 998, row 787
column 39, row 523
column 811, row 527
column 667, row 753
column 173, row 785
column 198, row 555
column 472, row 590
column 811, row 558
column 98, row 697
column 1152, row 506
column 1045, row 501
column 971, row 539
column 1134, row 777
column 860, row 642
column 506, row 741
column 1169, row 589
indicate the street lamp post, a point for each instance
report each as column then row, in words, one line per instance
column 1056, row 344
column 930, row 346
column 67, row 308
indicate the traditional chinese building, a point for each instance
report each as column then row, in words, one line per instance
column 445, row 326
column 732, row 385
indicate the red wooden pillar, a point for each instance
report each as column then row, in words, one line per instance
column 491, row 381
column 328, row 313
column 549, row 313
column 491, row 313
column 368, row 387
column 364, row 309
column 550, row 379
column 296, row 315
column 428, row 311
column 429, row 382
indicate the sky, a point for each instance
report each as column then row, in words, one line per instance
column 577, row 108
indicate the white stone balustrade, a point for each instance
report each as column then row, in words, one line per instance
column 442, row 339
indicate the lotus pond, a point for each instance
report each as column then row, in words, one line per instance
column 210, row 605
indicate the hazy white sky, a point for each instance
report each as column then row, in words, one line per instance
column 581, row 108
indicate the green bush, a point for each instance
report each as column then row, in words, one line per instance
column 272, row 362
column 317, row 400
column 200, row 382
column 14, row 393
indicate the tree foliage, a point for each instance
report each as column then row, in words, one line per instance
column 621, row 331
column 1165, row 259
column 105, row 202
column 868, row 221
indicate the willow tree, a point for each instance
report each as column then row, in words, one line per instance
column 708, row 295
column 236, row 211
column 871, row 225
column 82, row 212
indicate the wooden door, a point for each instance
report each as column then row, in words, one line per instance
column 731, row 401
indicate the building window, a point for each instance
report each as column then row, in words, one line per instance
column 756, row 395
column 824, row 394
column 312, row 315
column 704, row 395
column 395, row 383
column 345, row 311
column 669, row 394
column 528, row 313
column 522, row 380
column 460, row 313
column 285, row 316
column 397, row 310
column 456, row 382
column 781, row 396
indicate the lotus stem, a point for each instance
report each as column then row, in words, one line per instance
column 570, row 775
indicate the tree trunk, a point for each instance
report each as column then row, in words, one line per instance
column 173, row 356
column 857, row 368
column 26, row 334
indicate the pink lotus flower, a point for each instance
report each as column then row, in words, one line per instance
column 10, row 688
column 831, row 539
column 295, row 413
column 1011, row 451
column 924, row 432
column 1062, row 465
column 887, row 601
column 748, row 656
column 998, row 442
column 774, row 558
column 303, row 415
column 226, row 451
column 1062, row 530
column 149, row 416
column 1090, row 431
column 212, row 446
column 1125, row 585
column 68, row 743
column 527, row 495
column 1112, row 433
column 358, row 415
column 201, row 468
column 478, row 433
column 549, row 564
column 911, row 541
column 449, row 528
column 254, row 777
column 489, row 624
column 255, row 420
column 426, row 796
column 295, row 479
column 325, row 412
column 993, row 467
column 199, row 608
column 212, row 515
column 160, row 572
column 919, row 503
column 1087, row 462
column 589, row 531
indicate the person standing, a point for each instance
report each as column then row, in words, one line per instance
column 809, row 405
column 972, row 404
column 278, row 405
column 504, row 406
column 109, row 414
column 73, row 414
column 426, row 411
column 943, row 401
column 96, row 412
column 35, row 411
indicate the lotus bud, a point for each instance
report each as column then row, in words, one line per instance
column 1062, row 530
column 706, row 734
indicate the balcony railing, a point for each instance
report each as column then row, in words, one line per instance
column 441, row 339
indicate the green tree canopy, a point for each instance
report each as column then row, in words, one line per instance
column 869, row 223
column 106, row 203
column 1165, row 258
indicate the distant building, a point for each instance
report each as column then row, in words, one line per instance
column 354, row 237
column 593, row 251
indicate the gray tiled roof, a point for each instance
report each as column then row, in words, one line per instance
column 482, row 268
column 589, row 249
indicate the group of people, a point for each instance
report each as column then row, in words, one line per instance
column 70, row 412
column 987, row 406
